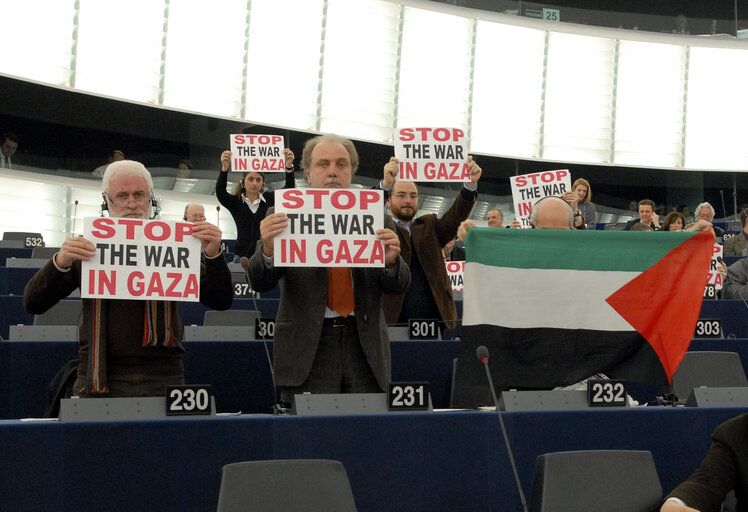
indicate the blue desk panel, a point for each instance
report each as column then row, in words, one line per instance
column 452, row 461
column 237, row 370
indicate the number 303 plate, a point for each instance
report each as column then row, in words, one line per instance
column 189, row 400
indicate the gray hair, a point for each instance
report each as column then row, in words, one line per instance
column 129, row 167
column 704, row 205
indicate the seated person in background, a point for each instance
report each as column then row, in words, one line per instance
column 647, row 216
column 8, row 149
column 584, row 193
column 185, row 168
column 705, row 212
column 249, row 202
column 724, row 468
column 738, row 245
column 194, row 212
column 640, row 226
column 128, row 347
column 674, row 221
column 117, row 156
column 735, row 286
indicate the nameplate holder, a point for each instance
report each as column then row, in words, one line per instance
column 340, row 404
column 575, row 400
column 718, row 397
column 120, row 409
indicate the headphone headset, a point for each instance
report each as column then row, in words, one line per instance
column 154, row 204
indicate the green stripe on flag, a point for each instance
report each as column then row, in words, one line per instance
column 624, row 251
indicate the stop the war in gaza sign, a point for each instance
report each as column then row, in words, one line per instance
column 329, row 228
column 141, row 259
column 432, row 154
column 528, row 189
column 258, row 153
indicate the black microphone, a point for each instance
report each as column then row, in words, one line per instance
column 218, row 217
column 75, row 212
column 244, row 262
column 482, row 354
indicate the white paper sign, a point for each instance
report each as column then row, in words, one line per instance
column 141, row 259
column 330, row 227
column 456, row 273
column 528, row 189
column 715, row 278
column 258, row 153
column 432, row 154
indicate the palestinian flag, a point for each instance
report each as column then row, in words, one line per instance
column 557, row 306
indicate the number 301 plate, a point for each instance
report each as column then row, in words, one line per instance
column 189, row 400
column 606, row 393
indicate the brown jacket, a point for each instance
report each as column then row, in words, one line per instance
column 428, row 235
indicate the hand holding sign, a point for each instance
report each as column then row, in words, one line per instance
column 391, row 245
column 475, row 172
column 270, row 227
column 77, row 248
column 289, row 159
column 391, row 169
column 225, row 160
column 209, row 236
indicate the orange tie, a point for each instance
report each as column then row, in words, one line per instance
column 340, row 291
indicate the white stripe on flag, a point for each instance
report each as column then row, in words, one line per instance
column 537, row 298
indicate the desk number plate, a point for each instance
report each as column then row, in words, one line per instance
column 422, row 329
column 708, row 328
column 264, row 328
column 188, row 400
column 606, row 393
column 408, row 396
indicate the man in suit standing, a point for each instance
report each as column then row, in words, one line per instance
column 329, row 339
column 421, row 240
column 736, row 246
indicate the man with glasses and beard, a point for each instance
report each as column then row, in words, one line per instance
column 128, row 347
column 421, row 242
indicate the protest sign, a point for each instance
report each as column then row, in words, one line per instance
column 456, row 273
column 141, row 259
column 329, row 227
column 715, row 278
column 432, row 154
column 258, row 153
column 528, row 189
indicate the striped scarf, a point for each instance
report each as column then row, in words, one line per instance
column 157, row 330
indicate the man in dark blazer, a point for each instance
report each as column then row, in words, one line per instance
column 736, row 245
column 421, row 241
column 724, row 468
column 316, row 348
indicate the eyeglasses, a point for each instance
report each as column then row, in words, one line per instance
column 122, row 199
column 402, row 195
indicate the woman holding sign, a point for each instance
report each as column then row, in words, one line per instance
column 250, row 201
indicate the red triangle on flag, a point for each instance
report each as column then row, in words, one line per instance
column 664, row 301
